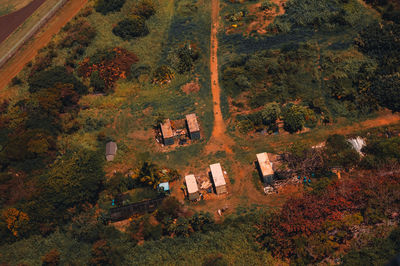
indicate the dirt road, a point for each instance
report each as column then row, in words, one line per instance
column 29, row 50
column 219, row 140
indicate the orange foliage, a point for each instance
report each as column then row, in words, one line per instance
column 110, row 70
column 14, row 219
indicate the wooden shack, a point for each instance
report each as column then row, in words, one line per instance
column 193, row 126
column 265, row 168
column 192, row 188
column 167, row 133
column 111, row 150
column 218, row 178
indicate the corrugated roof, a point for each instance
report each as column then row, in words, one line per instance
column 217, row 175
column 265, row 164
column 192, row 122
column 111, row 148
column 191, row 184
column 166, row 129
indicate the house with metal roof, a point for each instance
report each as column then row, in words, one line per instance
column 218, row 178
column 193, row 126
column 167, row 133
column 192, row 187
column 265, row 167
column 111, row 150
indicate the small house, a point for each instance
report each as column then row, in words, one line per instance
column 192, row 188
column 218, row 178
column 167, row 133
column 193, row 126
column 265, row 167
column 111, row 150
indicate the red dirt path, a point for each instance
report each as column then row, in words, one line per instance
column 9, row 23
column 30, row 49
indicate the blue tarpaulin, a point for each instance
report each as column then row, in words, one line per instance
column 164, row 186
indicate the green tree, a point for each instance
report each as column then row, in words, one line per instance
column 107, row 6
column 295, row 117
column 271, row 113
column 145, row 9
column 131, row 28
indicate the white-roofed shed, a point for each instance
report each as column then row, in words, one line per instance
column 218, row 178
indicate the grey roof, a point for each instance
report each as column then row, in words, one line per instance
column 111, row 148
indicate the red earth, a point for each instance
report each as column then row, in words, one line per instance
column 9, row 23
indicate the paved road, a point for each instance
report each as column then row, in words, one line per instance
column 9, row 23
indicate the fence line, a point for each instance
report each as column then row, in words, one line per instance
column 31, row 32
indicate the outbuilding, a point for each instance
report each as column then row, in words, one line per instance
column 193, row 126
column 167, row 133
column 111, row 150
column 192, row 188
column 218, row 178
column 265, row 168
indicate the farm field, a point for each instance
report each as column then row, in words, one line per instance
column 95, row 144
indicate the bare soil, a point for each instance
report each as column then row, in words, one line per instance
column 41, row 39
column 264, row 17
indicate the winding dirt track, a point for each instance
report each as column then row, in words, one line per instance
column 29, row 50
column 9, row 23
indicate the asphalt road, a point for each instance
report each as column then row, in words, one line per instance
column 9, row 23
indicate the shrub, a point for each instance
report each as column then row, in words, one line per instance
column 130, row 28
column 145, row 9
column 163, row 74
column 49, row 78
column 295, row 117
column 107, row 6
column 81, row 33
column 105, row 67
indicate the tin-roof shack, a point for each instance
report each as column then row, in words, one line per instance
column 167, row 133
column 265, row 167
column 111, row 150
column 218, row 178
column 193, row 126
column 192, row 188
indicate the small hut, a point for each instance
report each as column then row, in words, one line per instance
column 192, row 188
column 265, row 167
column 167, row 133
column 111, row 150
column 193, row 126
column 218, row 178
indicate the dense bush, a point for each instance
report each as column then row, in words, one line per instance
column 49, row 78
column 81, row 33
column 107, row 6
column 144, row 8
column 183, row 58
column 130, row 28
column 295, row 117
column 105, row 67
